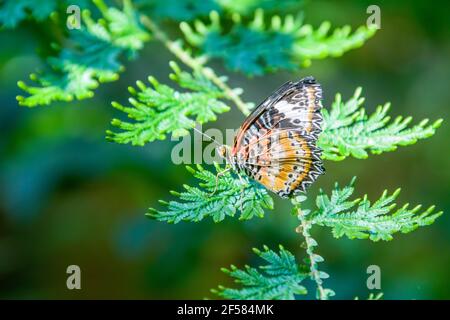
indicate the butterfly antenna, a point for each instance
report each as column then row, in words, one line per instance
column 205, row 135
column 219, row 173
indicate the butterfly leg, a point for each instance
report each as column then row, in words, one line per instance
column 241, row 199
column 217, row 180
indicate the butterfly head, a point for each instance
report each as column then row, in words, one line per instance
column 224, row 152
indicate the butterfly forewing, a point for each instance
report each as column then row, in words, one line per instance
column 276, row 145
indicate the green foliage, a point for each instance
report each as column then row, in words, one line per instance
column 188, row 10
column 178, row 10
column 255, row 47
column 93, row 58
column 247, row 7
column 159, row 109
column 349, row 131
column 279, row 279
column 231, row 196
column 360, row 219
column 12, row 12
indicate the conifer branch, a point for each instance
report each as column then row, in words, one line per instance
column 215, row 197
column 197, row 64
column 361, row 219
column 158, row 109
column 309, row 243
column 349, row 131
column 280, row 279
column 267, row 44
column 92, row 59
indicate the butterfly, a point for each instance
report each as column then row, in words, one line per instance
column 276, row 144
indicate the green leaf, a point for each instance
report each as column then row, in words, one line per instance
column 230, row 197
column 361, row 219
column 279, row 279
column 159, row 109
column 255, row 47
column 92, row 58
column 349, row 131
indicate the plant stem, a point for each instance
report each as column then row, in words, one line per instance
column 196, row 64
column 304, row 228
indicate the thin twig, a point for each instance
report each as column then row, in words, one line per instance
column 196, row 64
column 303, row 229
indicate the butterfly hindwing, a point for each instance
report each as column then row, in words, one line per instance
column 284, row 161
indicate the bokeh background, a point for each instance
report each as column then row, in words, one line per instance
column 69, row 197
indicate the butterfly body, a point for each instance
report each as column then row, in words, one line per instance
column 276, row 144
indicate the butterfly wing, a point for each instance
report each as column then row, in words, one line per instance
column 277, row 143
column 293, row 105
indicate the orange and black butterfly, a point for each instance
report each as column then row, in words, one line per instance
column 276, row 144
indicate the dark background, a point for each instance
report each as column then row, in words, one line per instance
column 69, row 197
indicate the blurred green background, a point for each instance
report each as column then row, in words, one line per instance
column 69, row 197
